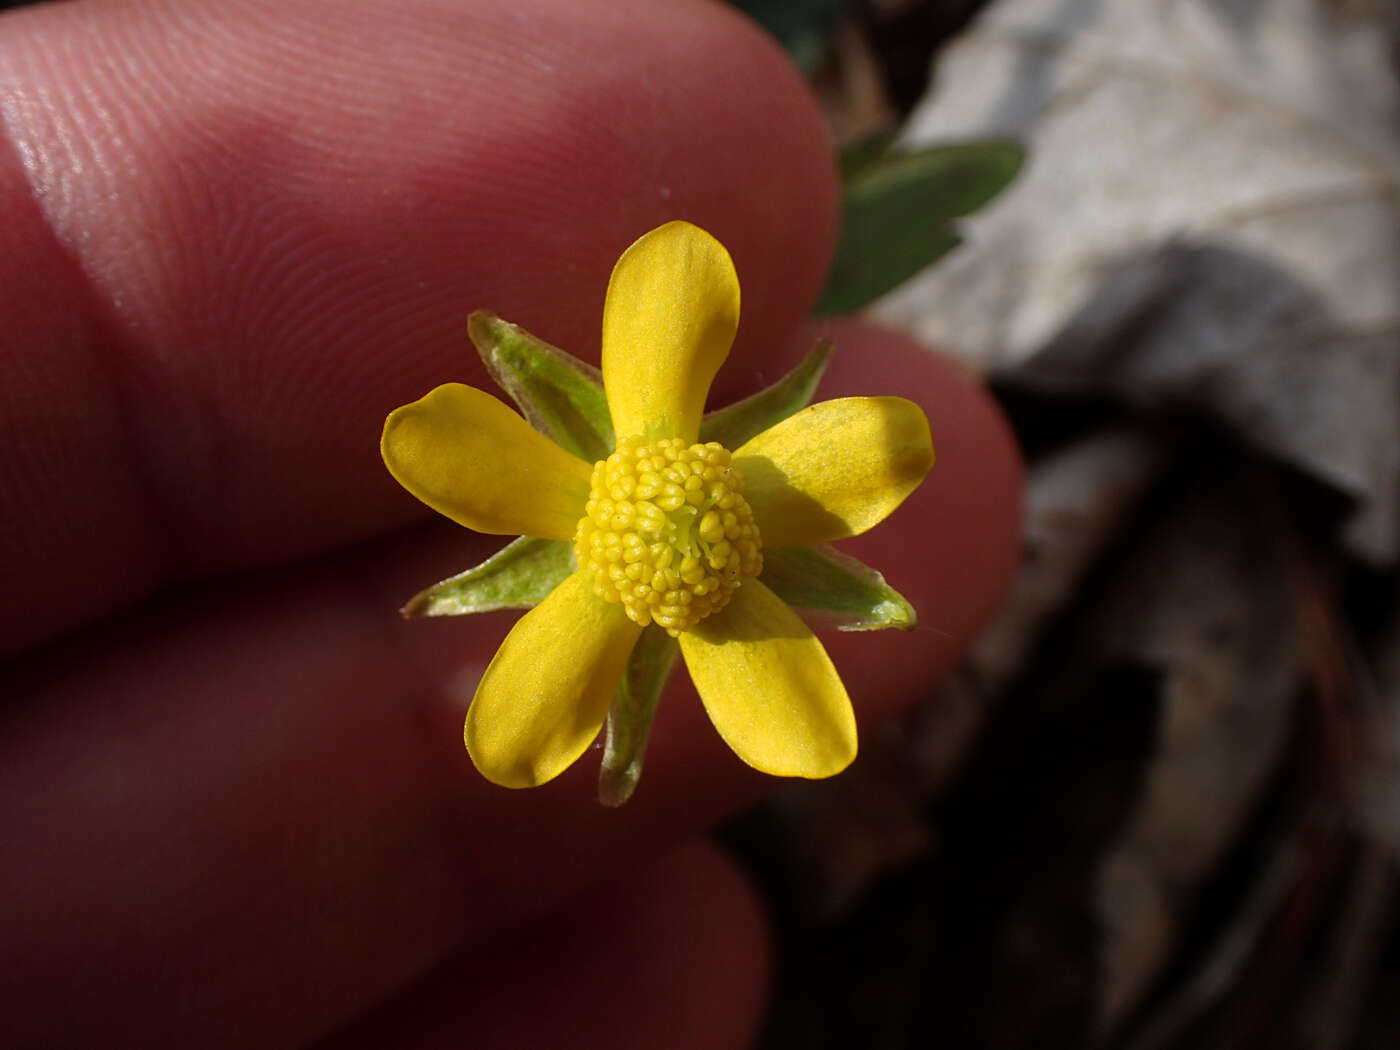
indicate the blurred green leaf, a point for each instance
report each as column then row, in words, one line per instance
column 897, row 212
column 855, row 157
column 952, row 180
column 800, row 25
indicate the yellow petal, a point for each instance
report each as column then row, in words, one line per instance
column 466, row 455
column 769, row 687
column 669, row 319
column 546, row 692
column 834, row 469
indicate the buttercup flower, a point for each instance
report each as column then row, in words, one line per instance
column 667, row 533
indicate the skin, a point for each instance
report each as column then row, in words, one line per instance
column 234, row 803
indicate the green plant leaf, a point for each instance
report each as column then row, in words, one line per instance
column 897, row 213
column 734, row 424
column 560, row 395
column 825, row 581
column 801, row 26
column 876, row 257
column 855, row 157
column 518, row 576
column 952, row 180
column 629, row 722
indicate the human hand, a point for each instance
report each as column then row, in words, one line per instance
column 233, row 798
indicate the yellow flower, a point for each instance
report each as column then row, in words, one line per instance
column 665, row 530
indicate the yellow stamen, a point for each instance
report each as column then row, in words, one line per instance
column 667, row 532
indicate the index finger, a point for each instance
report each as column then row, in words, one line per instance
column 235, row 236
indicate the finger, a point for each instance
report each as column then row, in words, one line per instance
column 233, row 236
column 674, row 956
column 266, row 780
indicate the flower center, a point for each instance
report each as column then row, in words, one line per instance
column 667, row 532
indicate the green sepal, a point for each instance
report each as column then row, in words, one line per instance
column 735, row 424
column 629, row 721
column 897, row 212
column 559, row 395
column 563, row 397
column 518, row 576
column 825, row 581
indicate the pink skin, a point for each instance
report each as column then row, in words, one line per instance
column 234, row 802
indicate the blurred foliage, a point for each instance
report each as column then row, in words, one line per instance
column 898, row 210
column 800, row 25
column 898, row 206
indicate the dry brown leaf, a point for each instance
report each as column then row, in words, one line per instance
column 1209, row 216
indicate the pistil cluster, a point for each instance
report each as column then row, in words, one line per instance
column 667, row 532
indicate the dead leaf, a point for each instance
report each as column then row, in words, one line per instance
column 1206, row 601
column 1209, row 217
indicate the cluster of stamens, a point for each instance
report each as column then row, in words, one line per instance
column 667, row 532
